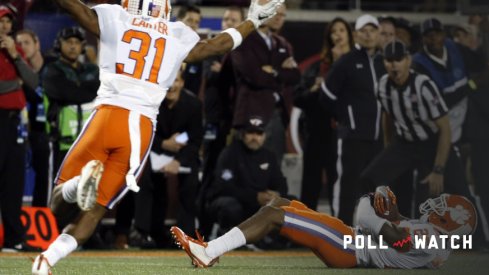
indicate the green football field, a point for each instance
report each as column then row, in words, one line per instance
column 240, row 262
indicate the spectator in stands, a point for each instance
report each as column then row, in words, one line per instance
column 247, row 177
column 19, row 9
column 275, row 25
column 14, row 74
column 406, row 34
column 481, row 22
column 466, row 35
column 445, row 62
column 320, row 141
column 264, row 65
column 452, row 67
column 351, row 84
column 476, row 123
column 177, row 182
column 70, row 87
column 191, row 16
column 218, row 99
column 387, row 30
column 38, row 137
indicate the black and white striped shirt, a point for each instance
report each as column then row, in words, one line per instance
column 414, row 107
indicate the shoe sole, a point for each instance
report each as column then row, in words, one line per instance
column 88, row 190
column 177, row 235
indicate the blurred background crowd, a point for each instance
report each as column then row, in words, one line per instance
column 270, row 119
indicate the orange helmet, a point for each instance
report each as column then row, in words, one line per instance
column 450, row 214
column 153, row 8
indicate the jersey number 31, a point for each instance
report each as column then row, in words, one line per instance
column 139, row 56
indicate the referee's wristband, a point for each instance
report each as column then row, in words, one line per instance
column 235, row 35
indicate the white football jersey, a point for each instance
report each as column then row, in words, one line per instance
column 414, row 258
column 139, row 58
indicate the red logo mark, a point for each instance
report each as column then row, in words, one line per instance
column 401, row 243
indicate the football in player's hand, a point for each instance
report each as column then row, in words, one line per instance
column 385, row 204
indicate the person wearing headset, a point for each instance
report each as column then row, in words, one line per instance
column 70, row 87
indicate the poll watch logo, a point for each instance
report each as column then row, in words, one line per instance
column 419, row 242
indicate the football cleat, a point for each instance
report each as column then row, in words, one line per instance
column 450, row 214
column 40, row 266
column 195, row 249
column 87, row 190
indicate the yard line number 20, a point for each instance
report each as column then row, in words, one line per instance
column 139, row 56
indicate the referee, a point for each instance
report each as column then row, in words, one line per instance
column 416, row 130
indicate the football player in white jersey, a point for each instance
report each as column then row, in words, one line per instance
column 141, row 52
column 327, row 236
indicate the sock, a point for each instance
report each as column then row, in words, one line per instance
column 234, row 238
column 69, row 189
column 60, row 248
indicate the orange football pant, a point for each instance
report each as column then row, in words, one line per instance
column 322, row 233
column 105, row 137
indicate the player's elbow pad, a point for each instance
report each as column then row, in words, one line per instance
column 366, row 217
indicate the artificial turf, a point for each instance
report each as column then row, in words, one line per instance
column 240, row 262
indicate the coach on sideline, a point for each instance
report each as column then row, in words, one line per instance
column 415, row 109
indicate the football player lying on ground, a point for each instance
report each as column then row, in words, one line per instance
column 324, row 234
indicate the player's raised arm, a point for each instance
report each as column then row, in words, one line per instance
column 85, row 16
column 231, row 38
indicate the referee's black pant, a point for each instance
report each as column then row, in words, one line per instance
column 12, row 175
column 402, row 156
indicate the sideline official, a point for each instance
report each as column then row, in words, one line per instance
column 416, row 129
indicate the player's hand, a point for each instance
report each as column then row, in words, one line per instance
column 435, row 183
column 274, row 194
column 171, row 144
column 383, row 198
column 8, row 43
column 171, row 168
column 264, row 197
column 259, row 13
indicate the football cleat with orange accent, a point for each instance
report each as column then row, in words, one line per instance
column 195, row 249
column 450, row 214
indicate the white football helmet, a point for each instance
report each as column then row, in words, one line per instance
column 147, row 8
column 450, row 214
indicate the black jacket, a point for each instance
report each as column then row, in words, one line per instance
column 185, row 116
column 317, row 110
column 242, row 173
column 351, row 83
